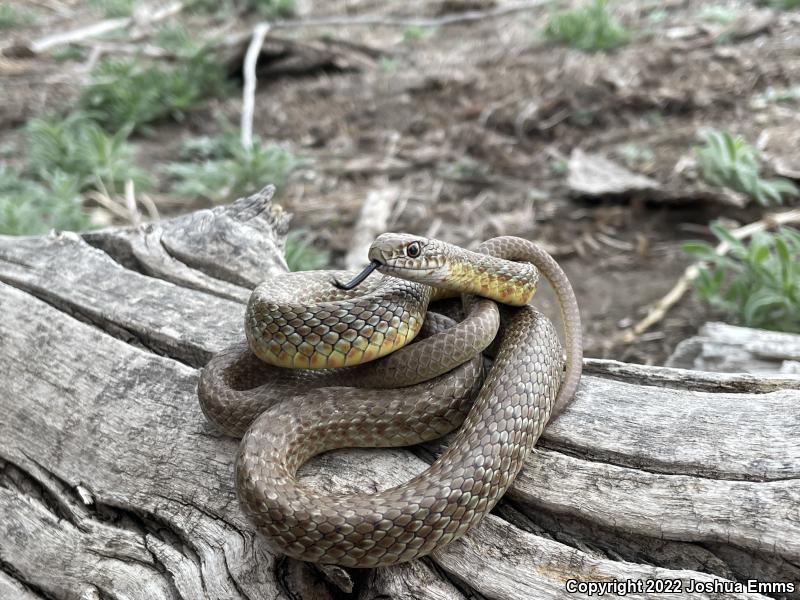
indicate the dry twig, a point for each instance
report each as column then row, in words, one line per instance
column 93, row 30
column 249, row 92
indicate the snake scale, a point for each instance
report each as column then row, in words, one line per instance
column 311, row 379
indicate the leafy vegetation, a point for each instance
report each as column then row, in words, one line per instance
column 731, row 162
column 12, row 16
column 657, row 16
column 758, row 283
column 635, row 155
column 68, row 53
column 301, row 255
column 28, row 207
column 77, row 146
column 467, row 168
column 65, row 158
column 591, row 28
column 270, row 9
column 130, row 93
column 414, row 33
column 273, row 8
column 113, row 8
column 787, row 94
column 783, row 4
column 388, row 65
column 226, row 169
column 718, row 13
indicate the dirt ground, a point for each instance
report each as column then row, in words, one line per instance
column 474, row 124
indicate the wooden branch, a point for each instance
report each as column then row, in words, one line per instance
column 260, row 32
column 112, row 483
column 93, row 30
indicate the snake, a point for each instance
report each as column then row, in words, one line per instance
column 327, row 365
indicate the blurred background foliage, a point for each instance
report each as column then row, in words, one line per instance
column 84, row 167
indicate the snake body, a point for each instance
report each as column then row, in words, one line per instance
column 303, row 321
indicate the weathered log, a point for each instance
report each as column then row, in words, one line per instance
column 113, row 485
column 732, row 349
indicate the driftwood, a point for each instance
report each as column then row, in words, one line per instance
column 113, row 485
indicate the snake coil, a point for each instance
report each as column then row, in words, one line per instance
column 308, row 381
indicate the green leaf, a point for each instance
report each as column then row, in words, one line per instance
column 757, row 302
column 702, row 250
column 725, row 236
column 785, row 261
column 758, row 284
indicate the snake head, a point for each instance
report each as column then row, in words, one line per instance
column 410, row 257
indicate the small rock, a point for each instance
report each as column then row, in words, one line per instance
column 595, row 175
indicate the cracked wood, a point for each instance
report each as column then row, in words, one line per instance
column 112, row 483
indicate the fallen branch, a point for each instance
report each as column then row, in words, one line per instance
column 75, row 35
column 61, row 38
column 249, row 89
column 692, row 271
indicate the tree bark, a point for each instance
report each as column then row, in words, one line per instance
column 113, row 485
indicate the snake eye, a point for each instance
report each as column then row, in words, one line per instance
column 413, row 250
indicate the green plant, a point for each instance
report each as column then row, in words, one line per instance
column 205, row 147
column 8, row 149
column 133, row 92
column 28, row 208
column 636, row 154
column 67, row 53
column 559, row 166
column 467, row 168
column 388, row 65
column 731, row 162
column 12, row 16
column 301, row 255
column 270, row 9
column 657, row 17
column 590, row 28
column 78, row 147
column 415, row 33
column 227, row 169
column 783, row 4
column 787, row 94
column 225, row 8
column 273, row 8
column 113, row 8
column 718, row 13
column 176, row 39
column 758, row 283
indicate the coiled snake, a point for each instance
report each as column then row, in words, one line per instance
column 288, row 415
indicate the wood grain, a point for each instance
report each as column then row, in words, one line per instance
column 112, row 484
